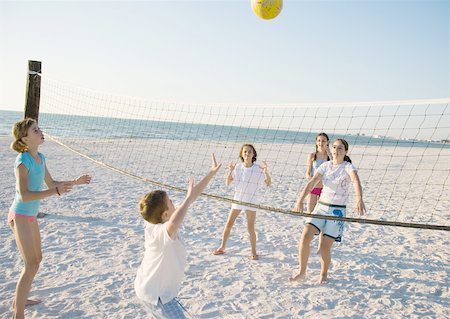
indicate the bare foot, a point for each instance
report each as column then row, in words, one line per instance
column 298, row 277
column 219, row 251
column 254, row 257
column 29, row 302
column 323, row 280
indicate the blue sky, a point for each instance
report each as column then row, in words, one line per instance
column 220, row 52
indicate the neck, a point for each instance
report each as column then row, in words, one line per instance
column 247, row 164
column 338, row 161
column 33, row 151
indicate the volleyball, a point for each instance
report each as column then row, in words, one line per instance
column 267, row 9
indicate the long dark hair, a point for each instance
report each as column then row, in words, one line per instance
column 315, row 140
column 344, row 142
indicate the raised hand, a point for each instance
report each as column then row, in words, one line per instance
column 190, row 187
column 264, row 166
column 231, row 166
column 214, row 166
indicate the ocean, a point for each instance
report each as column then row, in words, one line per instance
column 89, row 127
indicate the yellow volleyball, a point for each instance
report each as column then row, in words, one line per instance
column 267, row 9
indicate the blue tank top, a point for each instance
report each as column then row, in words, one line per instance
column 36, row 175
column 316, row 165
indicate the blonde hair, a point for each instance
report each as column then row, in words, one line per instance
column 153, row 205
column 19, row 131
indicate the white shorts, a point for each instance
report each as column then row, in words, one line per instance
column 243, row 208
column 329, row 227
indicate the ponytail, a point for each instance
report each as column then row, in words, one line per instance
column 19, row 146
column 347, row 159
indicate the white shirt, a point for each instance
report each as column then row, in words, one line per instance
column 247, row 181
column 336, row 181
column 162, row 269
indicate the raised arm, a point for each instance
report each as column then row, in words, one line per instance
column 229, row 178
column 192, row 194
column 265, row 169
column 360, row 208
column 301, row 197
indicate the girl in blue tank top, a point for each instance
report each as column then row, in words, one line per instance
column 321, row 155
column 31, row 172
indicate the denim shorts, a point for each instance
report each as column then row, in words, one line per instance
column 171, row 310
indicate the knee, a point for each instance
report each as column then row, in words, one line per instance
column 305, row 239
column 32, row 266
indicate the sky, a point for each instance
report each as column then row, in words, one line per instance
column 221, row 52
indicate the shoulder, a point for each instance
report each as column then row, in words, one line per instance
column 23, row 158
column 327, row 164
column 324, row 167
column 158, row 231
column 349, row 167
column 311, row 156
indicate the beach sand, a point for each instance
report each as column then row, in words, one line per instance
column 92, row 243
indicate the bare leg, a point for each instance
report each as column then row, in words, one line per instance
column 320, row 243
column 304, row 250
column 28, row 241
column 326, row 244
column 251, row 217
column 234, row 213
column 311, row 202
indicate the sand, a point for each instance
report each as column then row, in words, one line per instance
column 92, row 243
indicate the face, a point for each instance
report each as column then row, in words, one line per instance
column 34, row 136
column 321, row 142
column 170, row 209
column 247, row 154
column 338, row 151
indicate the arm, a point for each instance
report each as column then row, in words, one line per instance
column 268, row 179
column 51, row 183
column 28, row 195
column 359, row 204
column 231, row 168
column 309, row 163
column 193, row 192
column 301, row 197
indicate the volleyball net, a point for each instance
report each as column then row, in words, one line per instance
column 401, row 149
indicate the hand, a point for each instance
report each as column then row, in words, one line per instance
column 231, row 166
column 190, row 187
column 64, row 187
column 298, row 207
column 264, row 166
column 360, row 208
column 214, row 166
column 83, row 179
